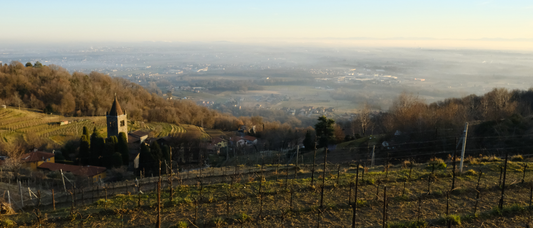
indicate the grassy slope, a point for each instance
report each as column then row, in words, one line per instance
column 244, row 200
column 17, row 124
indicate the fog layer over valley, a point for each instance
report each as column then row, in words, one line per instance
column 282, row 82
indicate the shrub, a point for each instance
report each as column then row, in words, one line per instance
column 453, row 219
column 471, row 160
column 408, row 164
column 103, row 202
column 181, row 224
column 491, row 158
column 362, row 203
column 5, row 222
column 217, row 222
column 368, row 181
column 242, row 217
column 414, row 224
column 517, row 157
column 438, row 163
column 471, row 172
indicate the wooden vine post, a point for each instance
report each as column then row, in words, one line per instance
column 354, row 207
column 158, row 222
column 503, row 182
column 313, row 169
column 384, row 206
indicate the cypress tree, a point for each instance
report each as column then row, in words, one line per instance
column 155, row 151
column 165, row 152
column 145, row 159
column 110, row 149
column 85, row 151
column 122, row 148
column 116, row 160
column 309, row 141
column 97, row 148
column 325, row 131
column 86, row 131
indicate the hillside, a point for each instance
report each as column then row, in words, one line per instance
column 44, row 130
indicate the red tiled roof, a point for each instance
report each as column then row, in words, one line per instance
column 74, row 169
column 216, row 140
column 249, row 138
column 36, row 156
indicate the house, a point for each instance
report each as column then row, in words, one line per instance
column 33, row 159
column 135, row 139
column 219, row 142
column 245, row 140
column 94, row 172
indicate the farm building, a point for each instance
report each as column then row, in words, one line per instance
column 35, row 158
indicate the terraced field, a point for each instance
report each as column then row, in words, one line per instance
column 17, row 124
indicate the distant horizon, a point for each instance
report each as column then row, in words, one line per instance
column 410, row 23
column 502, row 44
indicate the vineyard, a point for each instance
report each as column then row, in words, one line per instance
column 16, row 124
column 491, row 192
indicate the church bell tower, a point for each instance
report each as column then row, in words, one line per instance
column 116, row 120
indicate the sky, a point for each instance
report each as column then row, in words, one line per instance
column 395, row 23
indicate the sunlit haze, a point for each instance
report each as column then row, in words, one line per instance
column 479, row 24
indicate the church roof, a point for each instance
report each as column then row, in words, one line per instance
column 116, row 110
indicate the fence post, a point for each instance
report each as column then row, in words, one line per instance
column 530, row 195
column 21, row 196
column 321, row 210
column 63, row 178
column 71, row 203
column 313, row 169
column 453, row 162
column 419, row 208
column 105, row 189
column 338, row 174
column 53, row 199
column 503, row 182
column 158, row 223
column 384, row 206
column 9, row 198
column 354, row 208
column 524, row 176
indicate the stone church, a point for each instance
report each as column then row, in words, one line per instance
column 116, row 120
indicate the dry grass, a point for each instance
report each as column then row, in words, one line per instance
column 244, row 199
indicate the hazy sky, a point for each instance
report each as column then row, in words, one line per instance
column 273, row 20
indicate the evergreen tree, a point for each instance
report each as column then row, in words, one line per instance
column 116, row 160
column 122, row 147
column 325, row 131
column 38, row 64
column 165, row 152
column 145, row 159
column 110, row 149
column 48, row 109
column 86, row 131
column 309, row 141
column 155, row 151
column 97, row 149
column 85, row 151
column 28, row 64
